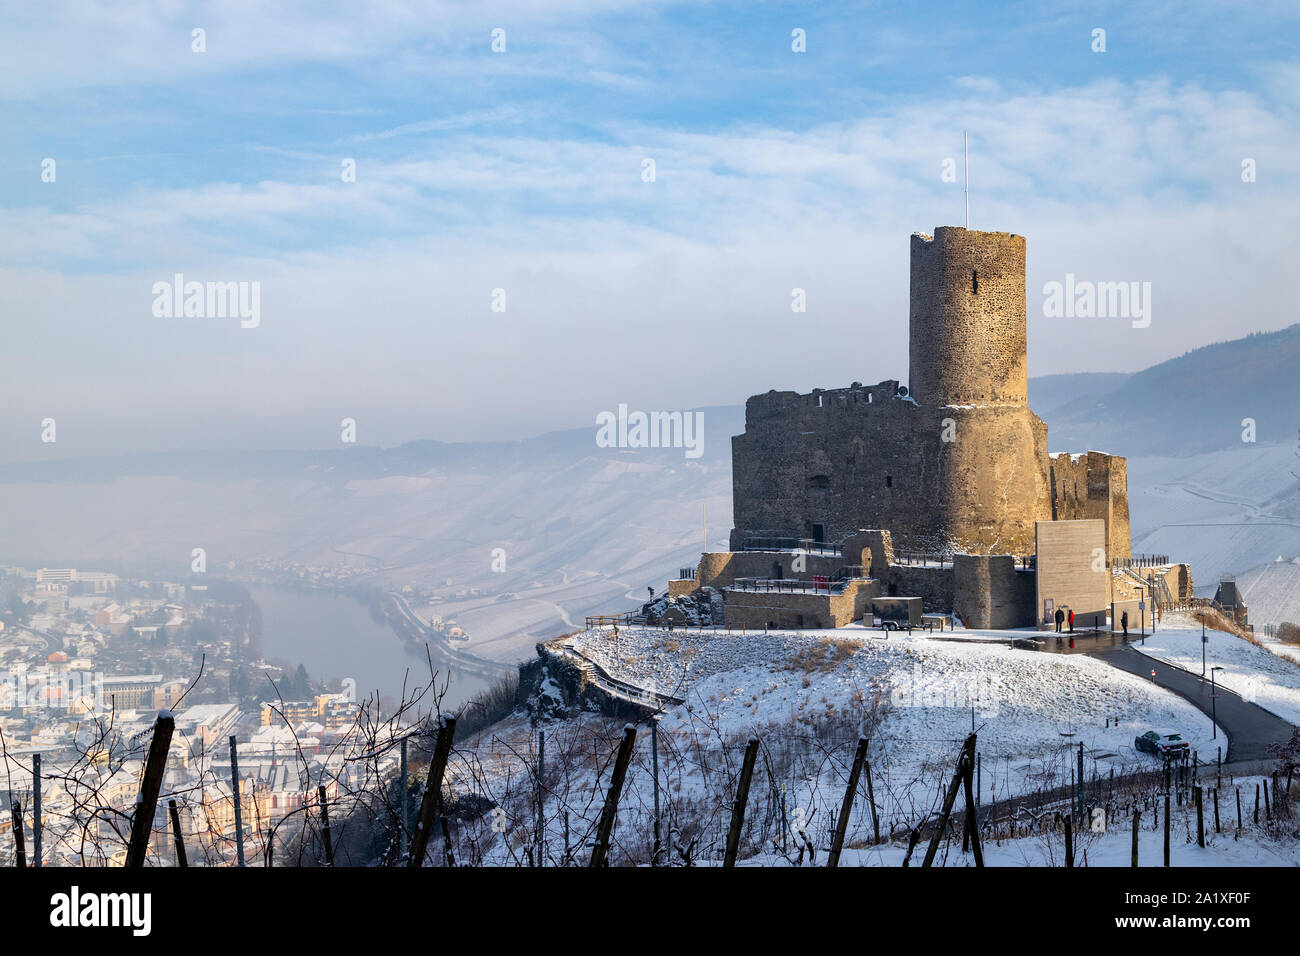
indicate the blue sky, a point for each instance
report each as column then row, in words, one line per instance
column 522, row 170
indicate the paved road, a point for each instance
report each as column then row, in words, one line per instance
column 489, row 670
column 1250, row 728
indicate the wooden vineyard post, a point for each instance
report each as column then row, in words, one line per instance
column 1137, row 815
column 842, row 825
column 967, row 756
column 600, row 853
column 154, row 768
column 177, row 839
column 432, row 791
column 738, row 808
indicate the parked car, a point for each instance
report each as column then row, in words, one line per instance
column 1162, row 744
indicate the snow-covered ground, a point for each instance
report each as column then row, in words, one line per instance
column 1268, row 676
column 697, row 773
column 1028, row 707
column 1272, row 592
column 1111, row 848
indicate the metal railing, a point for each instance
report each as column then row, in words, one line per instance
column 605, row 620
column 790, row 585
column 936, row 559
column 850, row 571
column 921, row 558
column 619, row 687
column 686, row 574
column 1142, row 561
column 790, row 544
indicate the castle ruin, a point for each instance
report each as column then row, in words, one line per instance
column 937, row 490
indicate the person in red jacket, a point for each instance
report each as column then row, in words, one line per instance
column 1071, row 620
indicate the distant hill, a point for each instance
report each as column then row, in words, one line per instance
column 341, row 465
column 1051, row 393
column 1191, row 404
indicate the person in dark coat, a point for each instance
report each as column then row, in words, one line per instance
column 1123, row 620
column 1060, row 619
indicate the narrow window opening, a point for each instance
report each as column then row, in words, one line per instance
column 889, row 481
column 974, row 281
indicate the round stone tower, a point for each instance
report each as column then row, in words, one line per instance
column 968, row 344
column 969, row 375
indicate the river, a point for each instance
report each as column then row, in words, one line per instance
column 334, row 636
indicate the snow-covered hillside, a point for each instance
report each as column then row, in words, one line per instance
column 1028, row 707
column 1272, row 592
column 807, row 697
column 1223, row 511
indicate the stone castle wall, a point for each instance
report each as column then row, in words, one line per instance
column 718, row 569
column 785, row 609
column 843, row 459
column 1093, row 485
column 990, row 591
column 933, row 585
column 941, row 479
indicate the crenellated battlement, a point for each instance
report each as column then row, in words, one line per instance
column 830, row 400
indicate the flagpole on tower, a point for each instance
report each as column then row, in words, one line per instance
column 965, row 148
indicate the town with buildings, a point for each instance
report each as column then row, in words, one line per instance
column 88, row 660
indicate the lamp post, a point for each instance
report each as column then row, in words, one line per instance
column 1142, row 607
column 1214, row 707
column 1204, row 640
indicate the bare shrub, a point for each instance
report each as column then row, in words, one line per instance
column 823, row 657
column 1216, row 620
